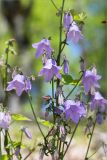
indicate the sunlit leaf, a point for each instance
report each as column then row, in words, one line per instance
column 20, row 117
column 67, row 79
column 45, row 123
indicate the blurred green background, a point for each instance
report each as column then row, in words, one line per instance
column 28, row 21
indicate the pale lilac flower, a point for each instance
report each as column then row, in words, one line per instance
column 74, row 34
column 74, row 110
column 20, row 83
column 68, row 19
column 43, row 47
column 66, row 66
column 27, row 132
column 90, row 79
column 98, row 102
column 5, row 120
column 50, row 69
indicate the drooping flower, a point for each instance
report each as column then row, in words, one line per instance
column 98, row 101
column 43, row 47
column 68, row 19
column 74, row 110
column 5, row 120
column 90, row 79
column 66, row 66
column 99, row 118
column 20, row 83
column 50, row 69
column 74, row 34
column 27, row 132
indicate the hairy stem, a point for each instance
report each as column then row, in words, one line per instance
column 35, row 117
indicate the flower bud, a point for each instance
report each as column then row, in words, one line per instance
column 66, row 66
column 27, row 132
column 60, row 99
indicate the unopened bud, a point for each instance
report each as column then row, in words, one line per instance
column 60, row 99
column 27, row 132
column 66, row 66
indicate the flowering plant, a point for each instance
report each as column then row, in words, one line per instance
column 89, row 104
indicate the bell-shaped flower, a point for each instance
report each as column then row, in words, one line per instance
column 98, row 101
column 19, row 83
column 49, row 70
column 43, row 47
column 74, row 110
column 74, row 34
column 68, row 19
column 5, row 120
column 90, row 79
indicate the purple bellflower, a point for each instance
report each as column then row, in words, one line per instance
column 68, row 19
column 90, row 79
column 74, row 110
column 20, row 83
column 5, row 120
column 66, row 66
column 98, row 102
column 74, row 33
column 50, row 69
column 43, row 47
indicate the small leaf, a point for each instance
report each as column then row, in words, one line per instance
column 20, row 117
column 45, row 123
column 67, row 79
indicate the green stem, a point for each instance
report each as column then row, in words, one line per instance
column 35, row 117
column 54, row 5
column 74, row 87
column 60, row 33
column 28, row 155
column 86, row 158
column 71, row 138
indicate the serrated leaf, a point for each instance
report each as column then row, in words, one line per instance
column 45, row 123
column 20, row 117
column 67, row 80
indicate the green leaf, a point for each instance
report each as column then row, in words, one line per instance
column 45, row 123
column 80, row 17
column 20, row 117
column 4, row 157
column 67, row 79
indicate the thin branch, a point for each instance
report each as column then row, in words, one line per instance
column 74, row 87
column 54, row 5
column 90, row 141
column 71, row 138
